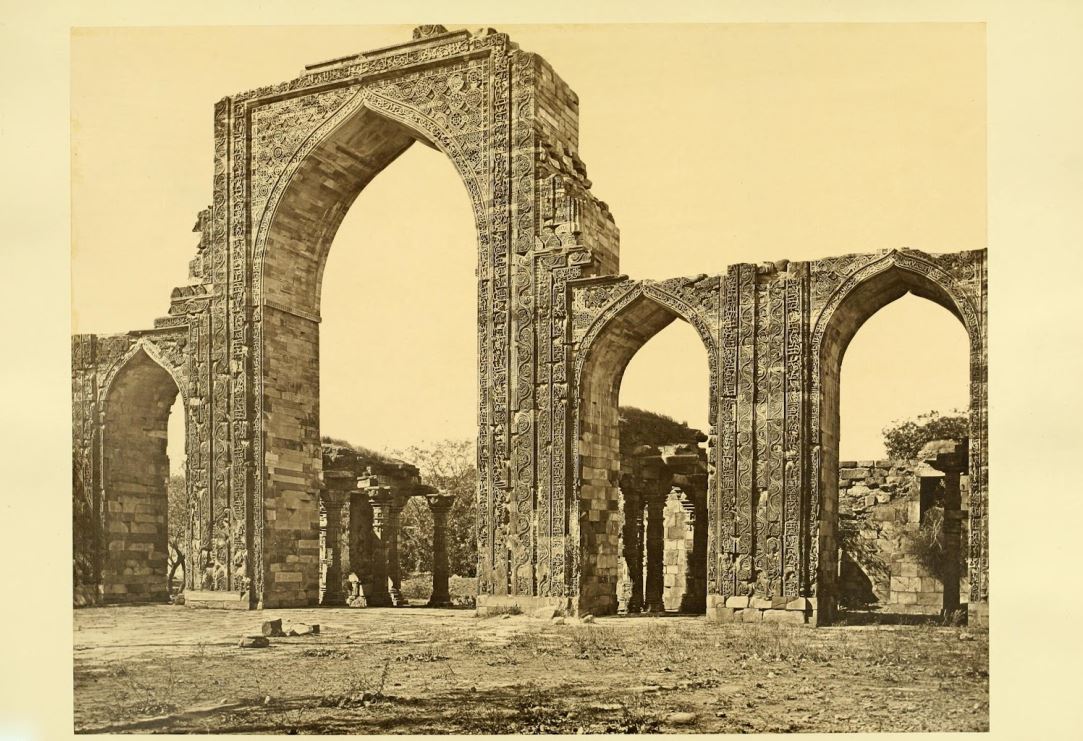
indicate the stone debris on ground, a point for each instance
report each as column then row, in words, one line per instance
column 254, row 642
column 681, row 719
column 546, row 613
column 301, row 629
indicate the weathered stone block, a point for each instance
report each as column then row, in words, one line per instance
column 792, row 617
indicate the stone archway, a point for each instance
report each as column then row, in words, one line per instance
column 243, row 340
column 302, row 216
column 603, row 355
column 135, row 475
column 861, row 295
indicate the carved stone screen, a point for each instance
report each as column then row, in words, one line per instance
column 556, row 327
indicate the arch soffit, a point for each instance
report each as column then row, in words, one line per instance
column 364, row 100
column 148, row 349
column 619, row 306
column 909, row 262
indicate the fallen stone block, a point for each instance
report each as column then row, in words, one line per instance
column 681, row 719
column 272, row 628
column 254, row 642
column 301, row 629
column 784, row 616
column 546, row 613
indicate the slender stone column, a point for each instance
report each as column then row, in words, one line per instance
column 694, row 597
column 361, row 540
column 656, row 543
column 440, row 504
column 391, row 543
column 698, row 567
column 380, row 499
column 633, row 546
column 952, row 531
column 332, row 503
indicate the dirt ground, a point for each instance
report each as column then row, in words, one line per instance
column 415, row 670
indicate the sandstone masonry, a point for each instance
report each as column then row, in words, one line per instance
column 557, row 324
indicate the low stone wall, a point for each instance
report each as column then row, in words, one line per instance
column 881, row 504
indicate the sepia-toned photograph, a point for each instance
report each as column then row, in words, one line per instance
column 495, row 444
column 542, row 371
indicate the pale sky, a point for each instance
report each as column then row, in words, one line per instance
column 711, row 144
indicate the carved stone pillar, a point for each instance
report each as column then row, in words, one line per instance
column 440, row 504
column 952, row 547
column 655, row 551
column 332, row 501
column 336, row 488
column 391, row 544
column 694, row 597
column 633, row 546
column 361, row 540
column 380, row 499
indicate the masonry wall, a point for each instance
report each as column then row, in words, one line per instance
column 136, row 478
column 881, row 505
column 680, row 537
column 291, row 550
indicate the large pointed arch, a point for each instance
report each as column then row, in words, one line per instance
column 304, row 209
column 860, row 295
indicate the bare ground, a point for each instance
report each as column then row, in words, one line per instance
column 414, row 670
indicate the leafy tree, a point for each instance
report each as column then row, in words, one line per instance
column 903, row 440
column 450, row 466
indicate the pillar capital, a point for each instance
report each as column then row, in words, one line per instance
column 339, row 481
column 379, row 496
column 440, row 502
column 948, row 456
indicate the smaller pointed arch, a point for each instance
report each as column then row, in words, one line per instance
column 603, row 355
column 133, row 516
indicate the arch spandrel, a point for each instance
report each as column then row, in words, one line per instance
column 917, row 272
column 168, row 353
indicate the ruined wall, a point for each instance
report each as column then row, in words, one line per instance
column 123, row 388
column 556, row 327
column 882, row 504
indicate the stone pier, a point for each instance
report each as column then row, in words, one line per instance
column 950, row 457
column 440, row 504
column 380, row 498
column 336, row 491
